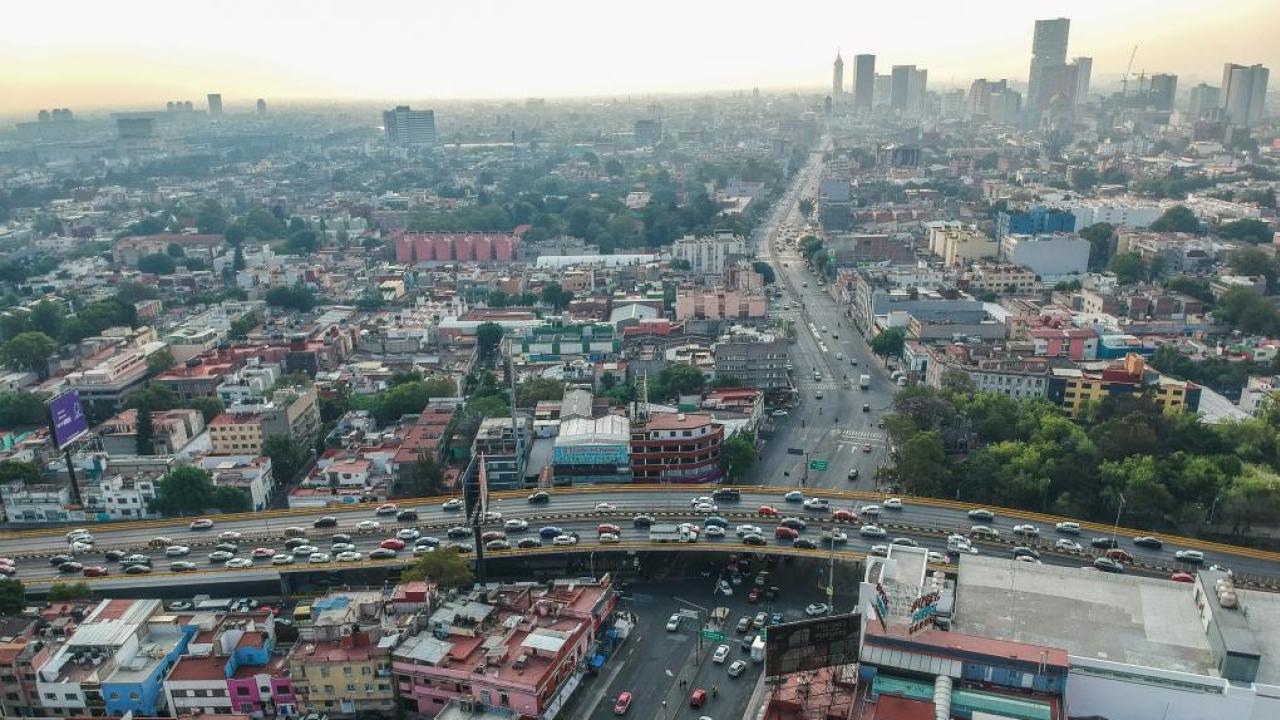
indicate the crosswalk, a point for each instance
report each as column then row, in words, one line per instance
column 868, row 435
column 824, row 385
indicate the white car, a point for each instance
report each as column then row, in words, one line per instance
column 983, row 531
column 407, row 534
column 835, row 536
column 1027, row 529
column 493, row 516
column 869, row 510
column 608, row 538
column 1066, row 545
column 368, row 526
column 229, row 535
column 701, row 500
column 725, row 588
column 706, row 507
column 454, row 504
column 305, row 550
column 737, row 667
column 673, row 623
column 349, row 556
column 745, row 530
column 341, row 547
column 794, row 496
column 564, row 540
column 817, row 504
column 779, row 413
column 282, row 560
column 720, row 655
column 318, row 557
column 880, row 550
column 236, row 563
column 606, row 506
column 1070, row 528
column 817, row 609
column 516, row 525
column 80, row 534
column 1189, row 556
column 893, row 504
column 177, row 551
column 713, row 531
column 872, row 531
column 937, row 557
column 81, row 547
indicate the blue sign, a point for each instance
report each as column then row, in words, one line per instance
column 69, row 421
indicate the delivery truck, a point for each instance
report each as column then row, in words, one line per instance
column 864, row 381
column 664, row 533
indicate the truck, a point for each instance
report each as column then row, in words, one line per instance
column 757, row 650
column 864, row 381
column 664, row 533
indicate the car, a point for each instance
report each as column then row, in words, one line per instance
column 720, row 655
column 642, row 521
column 564, row 540
column 177, row 551
column 1105, row 543
column 736, row 668
column 821, row 504
column 697, row 698
column 892, row 503
column 609, row 538
column 776, row 618
column 181, row 566
column 623, row 704
column 324, row 522
column 706, row 507
column 982, row 514
column 745, row 530
column 526, row 543
column 754, row 540
column 746, row 642
column 1065, row 545
column 338, row 538
column 1026, row 559
column 81, row 534
column 872, row 531
column 318, row 557
column 137, row 569
column 1189, row 556
column 497, row 545
column 744, row 624
column 236, row 563
column 866, row 447
column 779, row 413
column 382, row 554
column 1027, row 530
column 866, row 407
column 366, row 526
column 754, row 595
column 1182, row 577
column 218, row 557
column 114, row 555
column 1068, row 528
column 937, row 557
column 1148, row 541
column 427, row 541
column 673, row 623
column 1119, row 555
column 767, row 511
column 95, row 571
column 853, row 474
column 8, row 570
column 229, row 535
column 492, row 516
column 730, row 494
column 408, row 534
column 816, row 609
column 493, row 535
column 407, row 515
column 610, row 528
column 516, row 525
column 549, row 531
column 835, row 536
column 795, row 496
column 1106, row 564
column 282, row 560
column 262, row 553
column 452, row 505
column 387, row 509
column 844, row 516
column 201, row 524
column 458, row 532
column 81, row 547
column 605, row 507
column 1024, row 551
column 392, row 544
column 871, row 511
column 982, row 531
column 760, row 620
column 136, row 559
column 229, row 547
column 715, row 520
column 804, row 544
column 292, row 543
column 301, row 550
column 539, row 498
column 904, row 541
column 785, row 533
column 880, row 550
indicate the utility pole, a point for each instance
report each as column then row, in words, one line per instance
column 1116, row 528
column 703, row 613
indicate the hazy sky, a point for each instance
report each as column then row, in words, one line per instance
column 138, row 53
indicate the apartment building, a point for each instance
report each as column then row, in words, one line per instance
column 1073, row 388
column 709, row 255
column 958, row 244
column 676, row 448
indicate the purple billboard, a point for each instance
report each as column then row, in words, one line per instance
column 69, row 421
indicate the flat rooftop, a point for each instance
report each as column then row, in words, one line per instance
column 1263, row 617
column 1149, row 622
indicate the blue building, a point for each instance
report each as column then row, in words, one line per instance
column 1034, row 222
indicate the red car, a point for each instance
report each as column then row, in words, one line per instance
column 844, row 516
column 768, row 511
column 392, row 544
column 697, row 698
column 753, row 596
column 94, row 571
column 1182, row 577
column 603, row 528
column 201, row 524
column 623, row 705
column 1120, row 555
column 8, row 570
column 785, row 533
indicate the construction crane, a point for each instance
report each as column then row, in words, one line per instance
column 1124, row 82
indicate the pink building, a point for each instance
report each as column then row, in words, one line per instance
column 230, row 669
column 1075, row 343
column 716, row 305
column 412, row 248
column 519, row 654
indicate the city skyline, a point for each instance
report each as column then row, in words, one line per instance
column 89, row 56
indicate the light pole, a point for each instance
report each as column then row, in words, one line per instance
column 702, row 613
column 1116, row 528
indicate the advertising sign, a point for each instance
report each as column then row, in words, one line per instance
column 812, row 644
column 69, row 422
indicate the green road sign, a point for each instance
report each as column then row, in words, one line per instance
column 712, row 635
column 817, row 464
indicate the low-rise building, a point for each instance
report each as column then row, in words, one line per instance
column 171, row 431
column 757, row 360
column 1053, row 258
column 592, row 450
column 669, row 447
column 957, row 244
column 505, row 450
column 1072, row 388
column 714, row 305
column 998, row 278
column 250, row 473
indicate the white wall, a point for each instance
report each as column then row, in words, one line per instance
column 1133, row 699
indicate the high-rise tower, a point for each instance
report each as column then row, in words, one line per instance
column 1048, row 49
column 837, row 76
column 864, row 82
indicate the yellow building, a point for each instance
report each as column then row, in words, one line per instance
column 346, row 677
column 1073, row 388
column 236, row 434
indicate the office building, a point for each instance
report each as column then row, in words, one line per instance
column 1048, row 50
column 864, row 82
column 262, row 106
column 901, row 85
column 648, row 132
column 917, row 86
column 1034, row 221
column 958, row 244
column 1084, row 69
column 1161, row 91
column 980, row 94
column 1244, row 93
column 756, row 361
column 215, row 105
column 1204, row 100
column 837, row 76
column 409, row 128
column 709, row 255
column 135, row 128
column 1053, row 257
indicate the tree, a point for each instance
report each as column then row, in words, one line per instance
column 30, row 350
column 557, row 297
column 923, row 465
column 765, row 270
column 1178, row 218
column 211, row 219
column 13, row 597
column 488, row 335
column 209, row 407
column 428, row 478
column 614, row 168
column 132, row 292
column 237, row 259
column 231, row 499
column 737, row 456
column 1128, row 267
column 1246, row 310
column 681, row 264
column 241, row 326
column 1084, row 178
column 185, row 490
column 1254, row 261
column 1247, row 230
column 1099, row 236
column 677, row 379
column 291, row 298
column 1252, row 499
column 303, row 242
column 63, row 591
column 155, row 397
column 20, row 409
column 806, row 206
column 159, row 361
column 175, row 251
column 157, row 264
column 890, row 342
column 262, row 224
column 47, row 317
column 535, row 390
column 370, row 300
column 445, row 567
column 20, row 471
column 288, row 457
column 144, row 434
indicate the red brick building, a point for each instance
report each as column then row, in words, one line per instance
column 676, row 448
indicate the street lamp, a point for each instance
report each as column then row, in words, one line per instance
column 702, row 614
column 1116, row 528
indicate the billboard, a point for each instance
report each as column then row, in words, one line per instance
column 811, row 644
column 69, row 422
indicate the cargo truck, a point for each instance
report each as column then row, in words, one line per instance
column 864, row 381
column 757, row 650
column 672, row 533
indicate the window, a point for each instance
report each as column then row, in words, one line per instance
column 346, row 669
column 70, row 696
column 328, row 689
column 133, row 696
column 242, row 691
column 504, row 699
column 115, row 696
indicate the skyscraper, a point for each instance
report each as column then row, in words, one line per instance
column 1084, row 68
column 1161, row 92
column 262, row 106
column 837, row 76
column 1205, row 99
column 901, row 88
column 864, row 82
column 1048, row 49
column 215, row 104
column 917, row 85
column 1244, row 93
column 405, row 127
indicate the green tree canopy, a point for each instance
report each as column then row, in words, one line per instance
column 534, row 390
column 30, row 350
column 1178, row 218
column 291, row 298
column 13, row 596
column 488, row 335
column 675, row 380
column 185, row 490
column 288, row 457
column 1248, row 230
column 445, row 567
column 157, row 264
column 890, row 342
column 19, row 470
column 737, row 456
